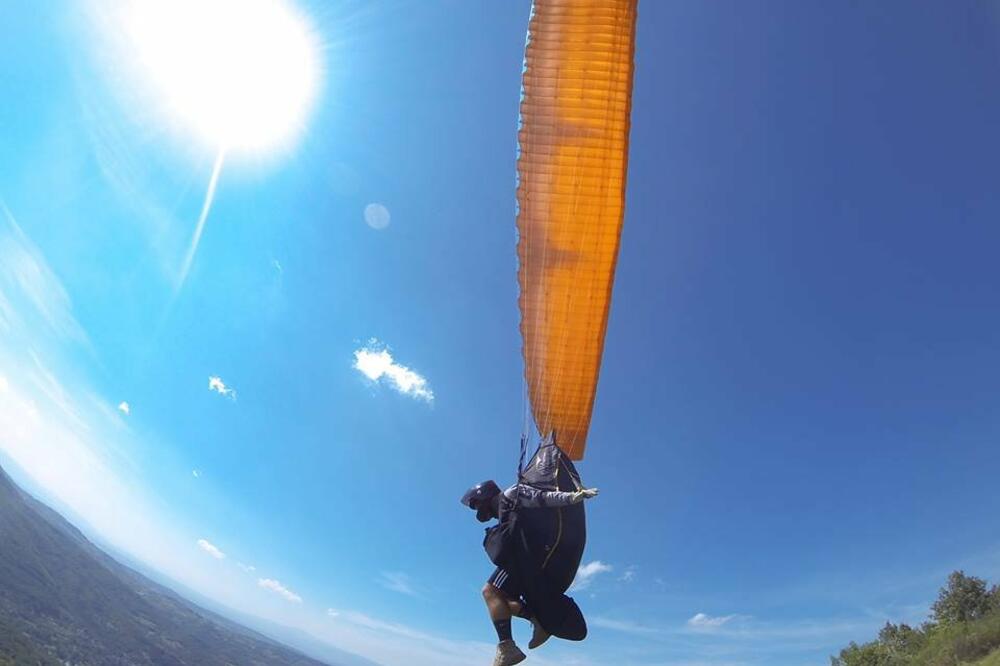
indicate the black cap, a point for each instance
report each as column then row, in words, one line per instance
column 478, row 498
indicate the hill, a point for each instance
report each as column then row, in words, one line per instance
column 64, row 601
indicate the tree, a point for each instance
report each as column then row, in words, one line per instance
column 869, row 654
column 963, row 598
column 900, row 639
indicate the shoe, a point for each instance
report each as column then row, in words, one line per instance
column 508, row 654
column 538, row 636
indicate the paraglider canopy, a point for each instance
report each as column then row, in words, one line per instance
column 573, row 141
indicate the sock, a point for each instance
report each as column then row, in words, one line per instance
column 503, row 630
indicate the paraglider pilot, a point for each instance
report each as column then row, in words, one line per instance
column 536, row 546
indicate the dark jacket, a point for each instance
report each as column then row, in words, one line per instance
column 549, row 534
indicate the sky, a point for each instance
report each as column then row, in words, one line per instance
column 266, row 366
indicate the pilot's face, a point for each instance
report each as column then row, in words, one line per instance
column 484, row 510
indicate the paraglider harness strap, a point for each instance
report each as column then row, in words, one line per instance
column 562, row 463
column 499, row 540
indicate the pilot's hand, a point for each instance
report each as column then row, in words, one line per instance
column 584, row 494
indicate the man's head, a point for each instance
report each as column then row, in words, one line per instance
column 480, row 497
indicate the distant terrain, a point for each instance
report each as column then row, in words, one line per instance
column 64, row 602
column 963, row 630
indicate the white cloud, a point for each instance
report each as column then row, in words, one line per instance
column 4, row 385
column 196, row 474
column 332, row 612
column 587, row 572
column 124, row 408
column 377, row 216
column 216, row 384
column 703, row 622
column 376, row 363
column 629, row 574
column 277, row 266
column 278, row 588
column 397, row 582
column 211, row 549
column 246, row 567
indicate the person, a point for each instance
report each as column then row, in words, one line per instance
column 504, row 591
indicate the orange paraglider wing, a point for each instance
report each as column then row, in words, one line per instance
column 573, row 157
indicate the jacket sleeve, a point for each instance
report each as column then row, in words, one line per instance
column 532, row 498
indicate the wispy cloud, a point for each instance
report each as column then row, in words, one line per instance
column 363, row 620
column 196, row 474
column 211, row 549
column 389, row 642
column 397, row 581
column 26, row 279
column 279, row 589
column 376, row 363
column 246, row 567
column 46, row 382
column 216, row 384
column 703, row 622
column 587, row 572
column 124, row 408
column 629, row 574
column 200, row 226
column 625, row 626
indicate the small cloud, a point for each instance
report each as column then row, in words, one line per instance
column 196, row 474
column 276, row 265
column 278, row 588
column 628, row 575
column 706, row 623
column 376, row 363
column 216, row 384
column 332, row 612
column 4, row 384
column 397, row 582
column 246, row 567
column 377, row 216
column 124, row 408
column 587, row 572
column 211, row 549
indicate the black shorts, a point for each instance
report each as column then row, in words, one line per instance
column 508, row 583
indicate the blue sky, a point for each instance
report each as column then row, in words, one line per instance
column 795, row 432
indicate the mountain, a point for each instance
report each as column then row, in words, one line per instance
column 64, row 602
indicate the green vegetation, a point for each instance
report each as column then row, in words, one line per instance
column 964, row 629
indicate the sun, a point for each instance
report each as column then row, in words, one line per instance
column 241, row 73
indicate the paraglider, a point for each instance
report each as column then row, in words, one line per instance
column 572, row 162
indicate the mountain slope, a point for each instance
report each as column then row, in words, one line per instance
column 62, row 600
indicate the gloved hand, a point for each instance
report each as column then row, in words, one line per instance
column 584, row 494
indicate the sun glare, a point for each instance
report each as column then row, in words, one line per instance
column 241, row 73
